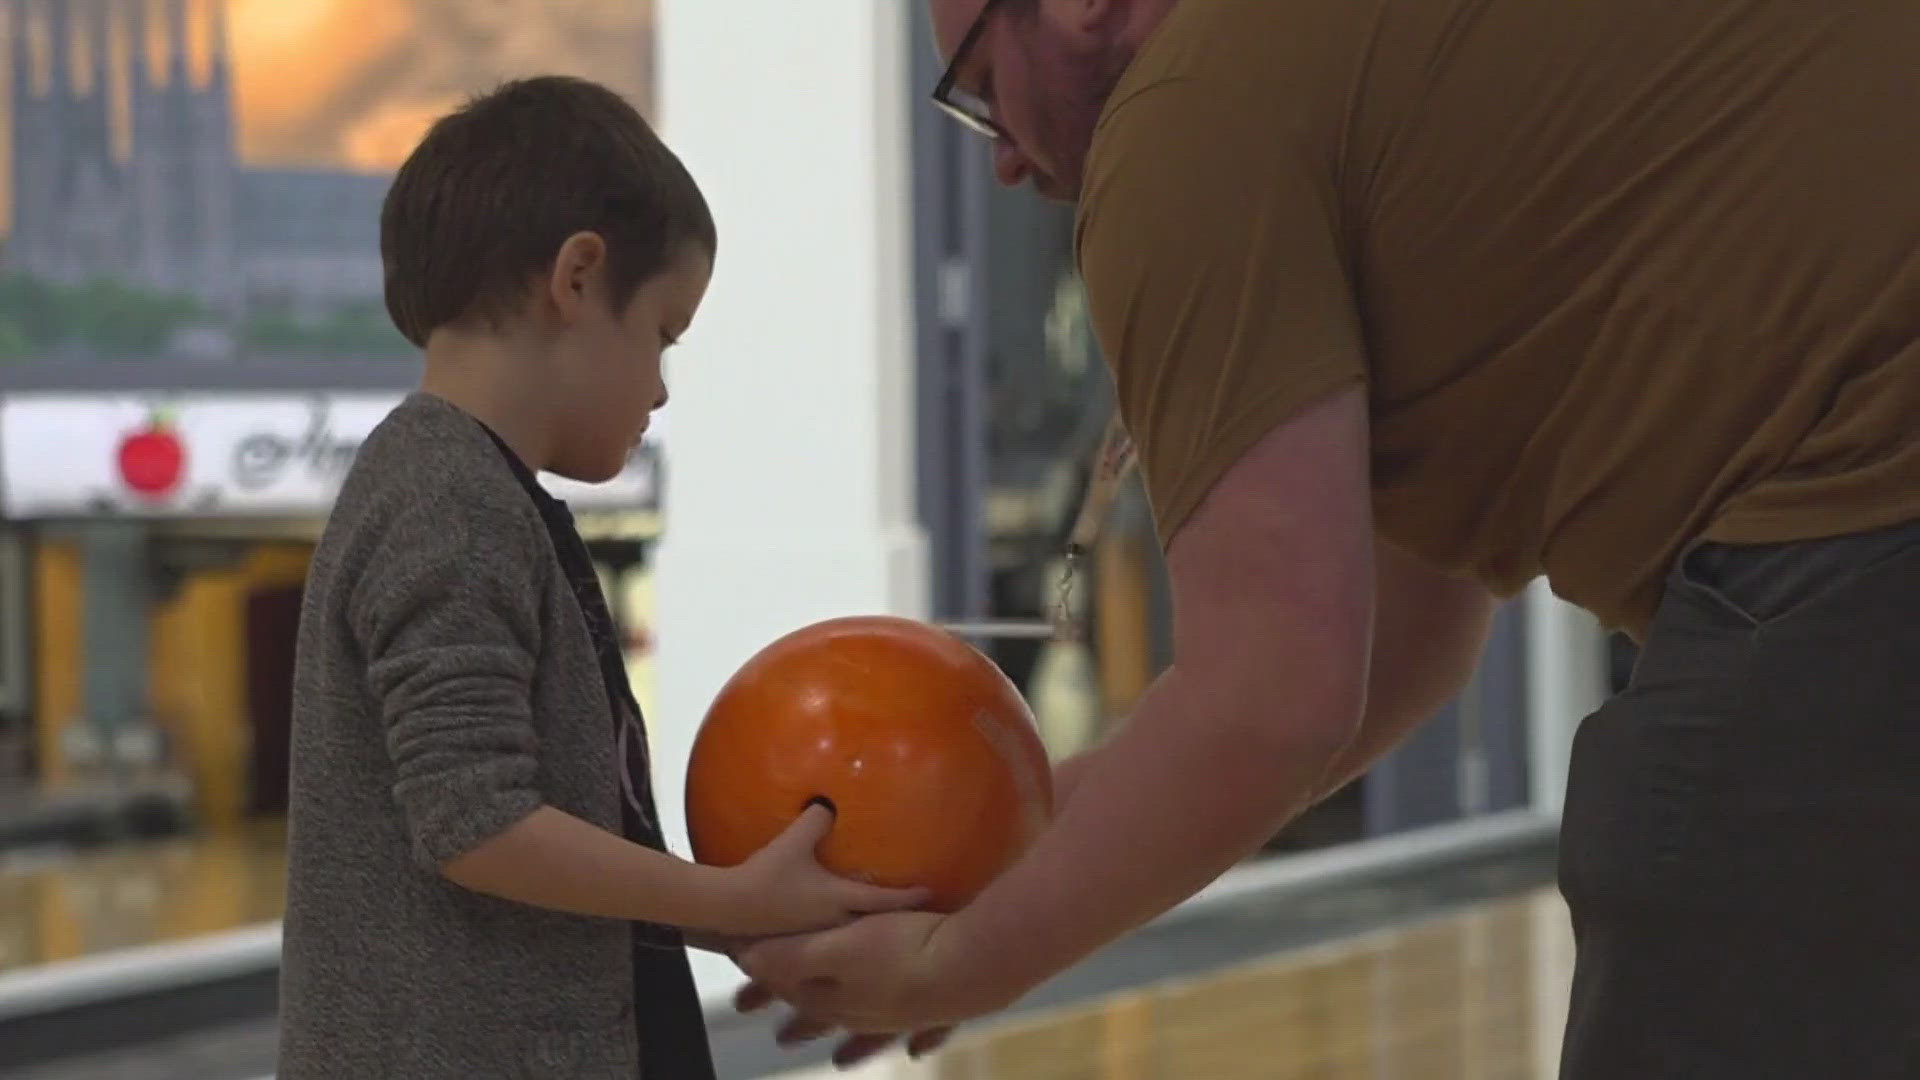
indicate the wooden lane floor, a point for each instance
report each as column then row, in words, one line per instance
column 1467, row 981
column 64, row 906
column 1479, row 994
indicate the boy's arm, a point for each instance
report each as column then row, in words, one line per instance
column 447, row 615
column 552, row 859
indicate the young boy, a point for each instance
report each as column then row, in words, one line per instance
column 477, row 881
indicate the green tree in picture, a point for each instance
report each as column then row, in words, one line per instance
column 353, row 331
column 97, row 318
column 28, row 309
column 114, row 320
column 13, row 341
column 111, row 319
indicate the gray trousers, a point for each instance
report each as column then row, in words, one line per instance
column 1741, row 840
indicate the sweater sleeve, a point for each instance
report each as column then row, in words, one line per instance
column 446, row 613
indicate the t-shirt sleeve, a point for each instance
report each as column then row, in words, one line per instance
column 446, row 616
column 1209, row 241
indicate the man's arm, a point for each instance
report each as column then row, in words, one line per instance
column 1428, row 633
column 1067, row 774
column 1273, row 594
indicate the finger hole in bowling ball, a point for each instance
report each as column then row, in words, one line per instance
column 822, row 800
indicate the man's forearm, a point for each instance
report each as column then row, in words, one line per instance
column 1194, row 782
column 1068, row 774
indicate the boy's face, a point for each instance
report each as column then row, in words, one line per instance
column 607, row 363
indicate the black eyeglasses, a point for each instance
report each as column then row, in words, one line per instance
column 965, row 107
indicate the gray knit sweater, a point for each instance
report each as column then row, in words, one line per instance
column 446, row 687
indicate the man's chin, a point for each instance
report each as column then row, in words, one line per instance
column 1062, row 184
column 1055, row 191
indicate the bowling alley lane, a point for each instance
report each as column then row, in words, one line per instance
column 57, row 905
column 1441, row 971
column 1476, row 994
column 1454, row 972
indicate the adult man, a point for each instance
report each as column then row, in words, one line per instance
column 1408, row 304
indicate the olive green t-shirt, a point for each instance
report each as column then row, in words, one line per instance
column 1616, row 274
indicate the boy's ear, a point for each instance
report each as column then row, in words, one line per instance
column 577, row 274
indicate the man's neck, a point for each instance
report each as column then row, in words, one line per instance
column 1143, row 18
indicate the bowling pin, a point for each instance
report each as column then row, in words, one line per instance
column 1063, row 689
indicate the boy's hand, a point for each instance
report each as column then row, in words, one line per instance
column 783, row 889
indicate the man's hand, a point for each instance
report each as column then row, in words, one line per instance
column 784, row 962
column 879, row 976
column 801, row 1028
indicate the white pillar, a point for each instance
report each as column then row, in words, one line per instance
column 789, row 494
column 1566, row 681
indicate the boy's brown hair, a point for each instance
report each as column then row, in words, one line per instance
column 482, row 205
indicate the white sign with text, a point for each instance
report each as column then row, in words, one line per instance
column 219, row 455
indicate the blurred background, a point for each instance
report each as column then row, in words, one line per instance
column 886, row 405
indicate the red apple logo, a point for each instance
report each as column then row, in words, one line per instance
column 153, row 460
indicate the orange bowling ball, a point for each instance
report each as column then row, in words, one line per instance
column 925, row 751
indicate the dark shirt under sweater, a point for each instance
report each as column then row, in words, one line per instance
column 673, row 1037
